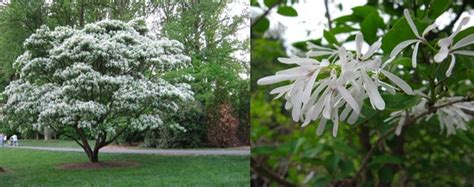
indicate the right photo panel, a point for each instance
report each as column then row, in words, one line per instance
column 362, row 93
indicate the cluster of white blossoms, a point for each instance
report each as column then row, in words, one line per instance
column 452, row 115
column 341, row 81
column 103, row 77
column 334, row 88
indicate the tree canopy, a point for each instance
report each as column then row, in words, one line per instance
column 100, row 80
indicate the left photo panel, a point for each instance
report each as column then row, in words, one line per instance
column 124, row 93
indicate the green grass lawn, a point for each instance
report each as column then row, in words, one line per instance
column 38, row 168
column 52, row 143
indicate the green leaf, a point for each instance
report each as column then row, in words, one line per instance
column 364, row 11
column 262, row 25
column 369, row 26
column 287, row 11
column 438, row 7
column 399, row 101
column 329, row 36
column 405, row 61
column 343, row 29
column 348, row 18
column 462, row 136
column 465, row 32
column 270, row 3
column 380, row 160
column 400, row 32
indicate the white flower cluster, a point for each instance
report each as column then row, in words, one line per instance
column 102, row 77
column 346, row 78
column 447, row 48
column 453, row 115
column 334, row 88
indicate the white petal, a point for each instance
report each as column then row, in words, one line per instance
column 322, row 124
column 327, row 106
column 359, row 42
column 428, row 29
column 463, row 22
column 318, row 53
column 296, row 112
column 296, row 60
column 309, row 87
column 441, row 55
column 468, row 40
column 399, row 82
column 276, row 78
column 388, row 87
column 401, row 121
column 411, row 23
column 353, row 118
column 314, row 46
column 374, row 95
column 324, row 63
column 414, row 55
column 464, row 52
column 281, row 89
column 299, row 70
column 401, row 46
column 335, row 126
column 451, row 66
column 445, row 42
column 372, row 49
column 349, row 99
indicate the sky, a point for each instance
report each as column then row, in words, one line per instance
column 311, row 20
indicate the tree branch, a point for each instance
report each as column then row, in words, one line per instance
column 328, row 16
column 263, row 171
column 408, row 121
column 265, row 13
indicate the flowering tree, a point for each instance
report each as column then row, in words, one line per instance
column 392, row 73
column 99, row 81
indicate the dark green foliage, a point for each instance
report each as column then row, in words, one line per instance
column 192, row 118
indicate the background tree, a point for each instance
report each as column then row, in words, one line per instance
column 98, row 81
column 368, row 153
column 20, row 18
column 208, row 32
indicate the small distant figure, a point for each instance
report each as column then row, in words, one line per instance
column 5, row 139
column 2, row 143
column 14, row 140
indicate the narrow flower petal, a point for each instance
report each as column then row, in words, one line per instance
column 414, row 55
column 374, row 95
column 451, row 66
column 276, row 78
column 463, row 22
column 464, row 52
column 401, row 122
column 318, row 53
column 349, row 99
column 401, row 46
column 327, row 106
column 441, row 55
column 281, row 89
column 359, row 42
column 468, row 40
column 428, row 29
column 411, row 23
column 314, row 46
column 399, row 82
column 322, row 125
column 372, row 49
column 297, row 60
column 336, row 125
column 309, row 86
column 445, row 42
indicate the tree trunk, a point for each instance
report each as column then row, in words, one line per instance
column 47, row 133
column 94, row 156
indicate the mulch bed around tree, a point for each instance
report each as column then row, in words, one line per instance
column 3, row 170
column 100, row 165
